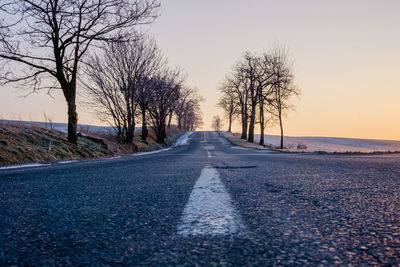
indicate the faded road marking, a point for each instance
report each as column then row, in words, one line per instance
column 209, row 211
column 206, row 146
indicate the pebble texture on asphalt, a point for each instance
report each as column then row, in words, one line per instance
column 298, row 209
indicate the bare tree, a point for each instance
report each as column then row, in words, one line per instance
column 118, row 81
column 182, row 105
column 165, row 93
column 192, row 114
column 283, row 86
column 228, row 103
column 263, row 82
column 187, row 110
column 216, row 123
column 250, row 78
column 257, row 74
column 265, row 116
column 247, row 67
column 193, row 119
column 238, row 86
column 144, row 100
column 47, row 40
column 149, row 61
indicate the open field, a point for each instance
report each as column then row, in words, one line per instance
column 332, row 144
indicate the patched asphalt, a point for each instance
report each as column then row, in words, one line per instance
column 298, row 209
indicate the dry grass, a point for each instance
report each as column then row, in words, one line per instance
column 21, row 144
column 26, row 144
column 138, row 144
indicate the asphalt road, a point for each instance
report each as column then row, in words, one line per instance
column 270, row 209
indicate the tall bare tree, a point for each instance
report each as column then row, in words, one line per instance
column 149, row 61
column 247, row 69
column 228, row 103
column 47, row 40
column 257, row 72
column 263, row 82
column 187, row 110
column 119, row 80
column 165, row 93
column 236, row 83
column 216, row 123
column 283, row 87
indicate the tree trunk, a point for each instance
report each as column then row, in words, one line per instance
column 244, row 127
column 280, row 124
column 185, row 123
column 69, row 91
column 145, row 133
column 72, row 121
column 230, row 124
column 179, row 122
column 130, row 122
column 262, row 122
column 130, row 133
column 161, row 133
column 252, row 122
column 169, row 120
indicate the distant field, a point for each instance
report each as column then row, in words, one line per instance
column 333, row 144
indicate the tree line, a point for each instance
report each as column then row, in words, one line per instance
column 257, row 91
column 53, row 45
column 132, row 81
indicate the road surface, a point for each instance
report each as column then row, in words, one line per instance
column 205, row 203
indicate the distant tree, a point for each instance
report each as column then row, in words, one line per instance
column 165, row 93
column 283, row 87
column 236, row 84
column 50, row 39
column 264, row 82
column 188, row 110
column 149, row 61
column 216, row 123
column 228, row 103
column 261, row 82
column 257, row 74
column 247, row 69
column 183, row 105
column 119, row 81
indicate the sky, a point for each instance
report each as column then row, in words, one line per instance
column 346, row 61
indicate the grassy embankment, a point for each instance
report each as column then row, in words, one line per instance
column 22, row 144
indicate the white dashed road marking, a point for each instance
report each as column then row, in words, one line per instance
column 209, row 211
column 206, row 147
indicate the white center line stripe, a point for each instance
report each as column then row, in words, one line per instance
column 206, row 146
column 209, row 211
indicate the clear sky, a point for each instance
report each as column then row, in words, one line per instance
column 346, row 59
